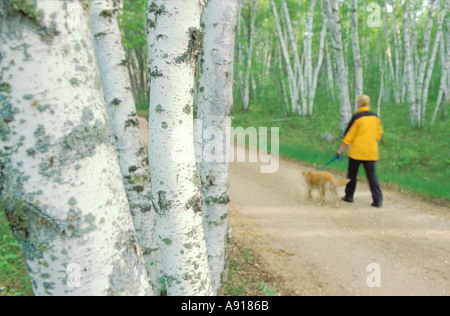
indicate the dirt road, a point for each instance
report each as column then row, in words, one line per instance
column 324, row 250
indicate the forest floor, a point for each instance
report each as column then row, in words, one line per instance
column 297, row 247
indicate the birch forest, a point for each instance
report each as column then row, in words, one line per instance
column 100, row 101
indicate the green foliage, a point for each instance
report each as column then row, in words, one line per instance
column 132, row 23
column 14, row 279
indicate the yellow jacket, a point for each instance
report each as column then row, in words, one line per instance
column 363, row 133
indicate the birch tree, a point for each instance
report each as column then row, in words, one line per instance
column 301, row 79
column 246, row 96
column 437, row 42
column 128, row 142
column 424, row 61
column 215, row 110
column 60, row 181
column 331, row 8
column 359, row 81
column 409, row 66
column 293, row 86
column 176, row 187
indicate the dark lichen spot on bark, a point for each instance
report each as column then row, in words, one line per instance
column 42, row 108
column 72, row 201
column 42, row 141
column 156, row 9
column 195, row 203
column 163, row 205
column 108, row 13
column 187, row 109
column 167, row 241
column 5, row 87
column 155, row 73
column 132, row 121
column 31, row 152
column 6, row 117
column 195, row 46
column 74, row 82
column 132, row 169
column 196, row 180
column 116, row 102
column 159, row 109
column 99, row 35
column 164, row 125
column 222, row 199
column 161, row 36
column 82, row 141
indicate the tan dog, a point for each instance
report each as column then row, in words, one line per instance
column 323, row 180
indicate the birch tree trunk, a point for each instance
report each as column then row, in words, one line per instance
column 359, row 81
column 301, row 79
column 444, row 91
column 215, row 111
column 60, row 181
column 331, row 8
column 246, row 98
column 176, row 184
column 409, row 66
column 424, row 63
column 330, row 71
column 308, row 51
column 284, row 49
column 398, row 57
column 313, row 88
column 427, row 80
column 128, row 142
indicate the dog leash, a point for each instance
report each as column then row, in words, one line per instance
column 337, row 157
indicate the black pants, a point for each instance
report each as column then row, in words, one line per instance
column 369, row 166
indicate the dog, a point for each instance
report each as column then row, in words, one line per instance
column 323, row 180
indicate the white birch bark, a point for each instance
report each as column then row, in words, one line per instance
column 240, row 50
column 60, row 180
column 128, row 142
column 424, row 63
column 427, row 80
column 246, row 98
column 330, row 71
column 308, row 51
column 150, row 28
column 409, row 66
column 444, row 91
column 313, row 88
column 359, row 81
column 283, row 84
column 331, row 8
column 291, row 77
column 396, row 71
column 301, row 80
column 215, row 107
column 176, row 184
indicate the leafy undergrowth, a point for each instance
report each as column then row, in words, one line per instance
column 247, row 275
column 14, row 279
